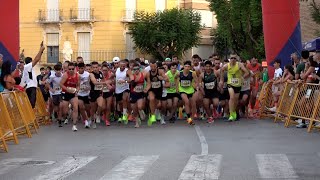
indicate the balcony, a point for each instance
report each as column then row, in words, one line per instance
column 50, row 16
column 82, row 15
column 128, row 15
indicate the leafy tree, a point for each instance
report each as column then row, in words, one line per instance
column 239, row 27
column 167, row 33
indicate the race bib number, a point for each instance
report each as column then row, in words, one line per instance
column 209, row 85
column 98, row 87
column 83, row 87
column 235, row 81
column 245, row 84
column 155, row 85
column 120, row 84
column 172, row 84
column 185, row 83
column 138, row 88
column 105, row 89
column 57, row 88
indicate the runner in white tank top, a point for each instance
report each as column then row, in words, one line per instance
column 122, row 91
column 83, row 94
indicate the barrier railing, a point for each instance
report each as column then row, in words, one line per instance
column 42, row 115
column 265, row 99
column 287, row 100
column 6, row 125
column 27, row 110
column 303, row 107
column 17, row 116
column 20, row 125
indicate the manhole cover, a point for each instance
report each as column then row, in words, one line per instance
column 37, row 163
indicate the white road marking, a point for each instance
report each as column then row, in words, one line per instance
column 275, row 166
column 204, row 144
column 131, row 168
column 65, row 168
column 10, row 164
column 200, row 167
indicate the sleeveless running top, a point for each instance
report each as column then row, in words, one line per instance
column 172, row 88
column 210, row 82
column 234, row 75
column 99, row 78
column 185, row 84
column 71, row 81
column 156, row 83
column 138, row 88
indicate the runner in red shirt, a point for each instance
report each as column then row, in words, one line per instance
column 70, row 84
column 255, row 69
column 136, row 94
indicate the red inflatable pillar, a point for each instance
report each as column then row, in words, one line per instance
column 282, row 32
column 9, row 31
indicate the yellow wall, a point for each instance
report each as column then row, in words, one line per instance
column 108, row 32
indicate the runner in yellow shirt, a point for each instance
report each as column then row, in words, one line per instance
column 236, row 72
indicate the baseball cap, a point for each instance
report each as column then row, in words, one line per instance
column 167, row 59
column 116, row 59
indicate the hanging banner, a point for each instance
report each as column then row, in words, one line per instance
column 282, row 32
column 9, row 31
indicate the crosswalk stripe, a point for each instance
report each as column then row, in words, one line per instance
column 201, row 167
column 10, row 164
column 275, row 166
column 65, row 168
column 131, row 168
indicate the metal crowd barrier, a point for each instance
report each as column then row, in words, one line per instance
column 42, row 114
column 297, row 101
column 18, row 117
column 265, row 99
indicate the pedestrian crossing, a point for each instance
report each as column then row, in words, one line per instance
column 198, row 167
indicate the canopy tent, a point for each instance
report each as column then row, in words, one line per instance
column 312, row 45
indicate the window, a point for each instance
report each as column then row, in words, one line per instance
column 84, row 46
column 53, row 47
column 84, row 9
column 160, row 5
column 53, row 10
column 206, row 18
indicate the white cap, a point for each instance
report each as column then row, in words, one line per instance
column 116, row 59
column 146, row 61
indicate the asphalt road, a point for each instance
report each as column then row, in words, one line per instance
column 244, row 150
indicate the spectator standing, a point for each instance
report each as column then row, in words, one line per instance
column 29, row 76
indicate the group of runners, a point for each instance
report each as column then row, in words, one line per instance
column 130, row 90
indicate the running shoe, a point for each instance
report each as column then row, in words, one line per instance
column 210, row 120
column 190, row 121
column 107, row 122
column 60, row 123
column 125, row 119
column 86, row 124
column 98, row 118
column 151, row 120
column 66, row 121
column 162, row 120
column 74, row 128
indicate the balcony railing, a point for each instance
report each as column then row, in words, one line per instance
column 88, row 56
column 50, row 16
column 82, row 15
column 128, row 15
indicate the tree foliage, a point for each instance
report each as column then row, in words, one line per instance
column 239, row 27
column 167, row 33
